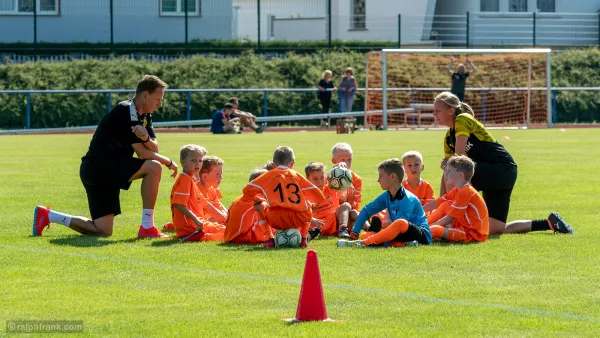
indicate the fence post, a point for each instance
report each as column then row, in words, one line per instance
column 185, row 9
column 109, row 103
column 554, row 112
column 534, row 29
column 265, row 104
column 34, row 28
column 399, row 30
column 467, row 37
column 112, row 40
column 329, row 24
column 340, row 99
column 188, row 108
column 483, row 106
column 28, row 109
column 258, row 31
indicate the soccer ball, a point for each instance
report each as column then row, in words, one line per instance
column 289, row 238
column 339, row 179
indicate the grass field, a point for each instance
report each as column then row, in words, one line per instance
column 536, row 284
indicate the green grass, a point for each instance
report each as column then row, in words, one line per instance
column 536, row 284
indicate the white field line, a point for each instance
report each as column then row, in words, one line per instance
column 428, row 299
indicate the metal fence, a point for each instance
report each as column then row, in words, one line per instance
column 562, row 98
column 186, row 26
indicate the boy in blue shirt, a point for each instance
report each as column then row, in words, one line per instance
column 409, row 223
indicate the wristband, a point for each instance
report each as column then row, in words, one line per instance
column 170, row 163
column 147, row 139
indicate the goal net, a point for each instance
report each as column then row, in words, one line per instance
column 510, row 87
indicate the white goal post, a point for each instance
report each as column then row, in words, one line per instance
column 387, row 64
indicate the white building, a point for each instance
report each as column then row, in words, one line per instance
column 489, row 22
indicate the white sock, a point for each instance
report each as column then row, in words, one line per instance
column 147, row 218
column 60, row 218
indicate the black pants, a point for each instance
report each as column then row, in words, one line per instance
column 460, row 95
column 496, row 182
column 325, row 103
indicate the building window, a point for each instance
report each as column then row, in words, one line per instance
column 490, row 5
column 358, row 15
column 517, row 5
column 546, row 5
column 177, row 7
column 25, row 7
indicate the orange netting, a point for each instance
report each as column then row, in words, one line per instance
column 498, row 92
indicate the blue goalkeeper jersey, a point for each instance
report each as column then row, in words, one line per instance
column 405, row 205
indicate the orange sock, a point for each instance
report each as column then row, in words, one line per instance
column 437, row 231
column 399, row 226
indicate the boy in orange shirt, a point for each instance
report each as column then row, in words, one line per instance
column 331, row 213
column 342, row 153
column 280, row 196
column 210, row 177
column 187, row 202
column 467, row 220
column 245, row 225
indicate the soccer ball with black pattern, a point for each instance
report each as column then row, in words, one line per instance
column 288, row 238
column 339, row 179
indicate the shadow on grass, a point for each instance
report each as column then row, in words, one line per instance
column 89, row 241
column 254, row 247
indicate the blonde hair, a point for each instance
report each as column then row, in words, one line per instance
column 412, row 154
column 452, row 101
column 314, row 166
column 209, row 162
column 393, row 166
column 283, row 155
column 327, row 72
column 349, row 70
column 462, row 164
column 188, row 149
column 149, row 83
column 341, row 148
column 255, row 173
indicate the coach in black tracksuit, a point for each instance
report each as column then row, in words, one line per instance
column 459, row 78
column 109, row 165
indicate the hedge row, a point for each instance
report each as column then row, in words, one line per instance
column 570, row 69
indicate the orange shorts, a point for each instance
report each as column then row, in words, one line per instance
column 259, row 233
column 330, row 224
column 282, row 218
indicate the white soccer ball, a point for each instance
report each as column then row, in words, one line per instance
column 339, row 178
column 289, row 238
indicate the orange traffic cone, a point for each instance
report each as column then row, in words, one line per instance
column 311, row 304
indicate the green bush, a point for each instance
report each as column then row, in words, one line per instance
column 573, row 68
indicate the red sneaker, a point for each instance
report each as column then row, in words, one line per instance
column 151, row 233
column 40, row 220
column 169, row 227
column 270, row 243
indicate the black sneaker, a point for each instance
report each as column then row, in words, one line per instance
column 343, row 233
column 558, row 224
column 261, row 128
column 375, row 225
column 313, row 233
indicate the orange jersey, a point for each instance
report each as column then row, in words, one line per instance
column 354, row 194
column 469, row 212
column 212, row 195
column 326, row 211
column 285, row 188
column 245, row 224
column 185, row 192
column 424, row 191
